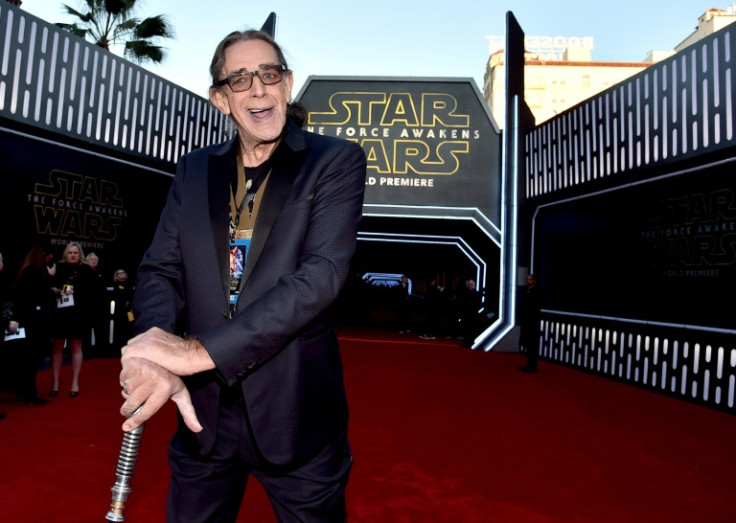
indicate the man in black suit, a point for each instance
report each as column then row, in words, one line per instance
column 232, row 304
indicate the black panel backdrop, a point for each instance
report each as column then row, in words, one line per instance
column 659, row 251
column 52, row 195
column 428, row 143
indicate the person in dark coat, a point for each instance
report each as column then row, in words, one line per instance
column 250, row 354
column 7, row 323
column 470, row 300
column 122, row 295
column 529, row 322
column 432, row 306
column 403, row 305
column 97, row 342
column 34, row 301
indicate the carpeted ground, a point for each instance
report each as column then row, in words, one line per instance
column 439, row 433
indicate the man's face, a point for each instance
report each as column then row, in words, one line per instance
column 260, row 112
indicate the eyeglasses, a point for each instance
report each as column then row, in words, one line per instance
column 243, row 80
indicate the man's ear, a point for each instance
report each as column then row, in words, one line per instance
column 219, row 100
column 288, row 84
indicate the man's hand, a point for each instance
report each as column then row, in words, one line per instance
column 176, row 355
column 150, row 386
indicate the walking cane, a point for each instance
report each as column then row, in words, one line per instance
column 126, row 465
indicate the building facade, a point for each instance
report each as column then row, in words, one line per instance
column 560, row 73
column 552, row 86
column 711, row 21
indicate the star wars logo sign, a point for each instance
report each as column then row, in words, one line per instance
column 402, row 133
column 428, row 142
column 82, row 207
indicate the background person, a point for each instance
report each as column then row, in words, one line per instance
column 403, row 305
column 7, row 323
column 34, row 301
column 263, row 369
column 451, row 308
column 96, row 342
column 94, row 262
column 529, row 333
column 74, row 285
column 470, row 300
column 122, row 295
column 432, row 306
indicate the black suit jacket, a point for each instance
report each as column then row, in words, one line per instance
column 281, row 346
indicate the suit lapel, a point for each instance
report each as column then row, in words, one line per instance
column 286, row 163
column 222, row 166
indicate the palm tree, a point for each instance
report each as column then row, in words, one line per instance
column 108, row 23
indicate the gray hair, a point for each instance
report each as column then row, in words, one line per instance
column 218, row 60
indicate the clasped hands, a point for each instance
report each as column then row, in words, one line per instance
column 153, row 363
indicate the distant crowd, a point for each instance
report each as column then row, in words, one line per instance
column 58, row 309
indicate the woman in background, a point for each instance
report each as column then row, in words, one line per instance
column 33, row 301
column 74, row 286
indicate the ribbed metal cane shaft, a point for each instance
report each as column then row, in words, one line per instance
column 126, row 466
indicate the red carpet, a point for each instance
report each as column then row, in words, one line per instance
column 439, row 433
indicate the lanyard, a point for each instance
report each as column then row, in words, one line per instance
column 251, row 188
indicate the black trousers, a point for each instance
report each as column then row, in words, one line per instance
column 530, row 341
column 211, row 489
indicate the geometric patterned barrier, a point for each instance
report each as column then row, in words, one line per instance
column 674, row 109
column 693, row 365
column 56, row 81
column 668, row 115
